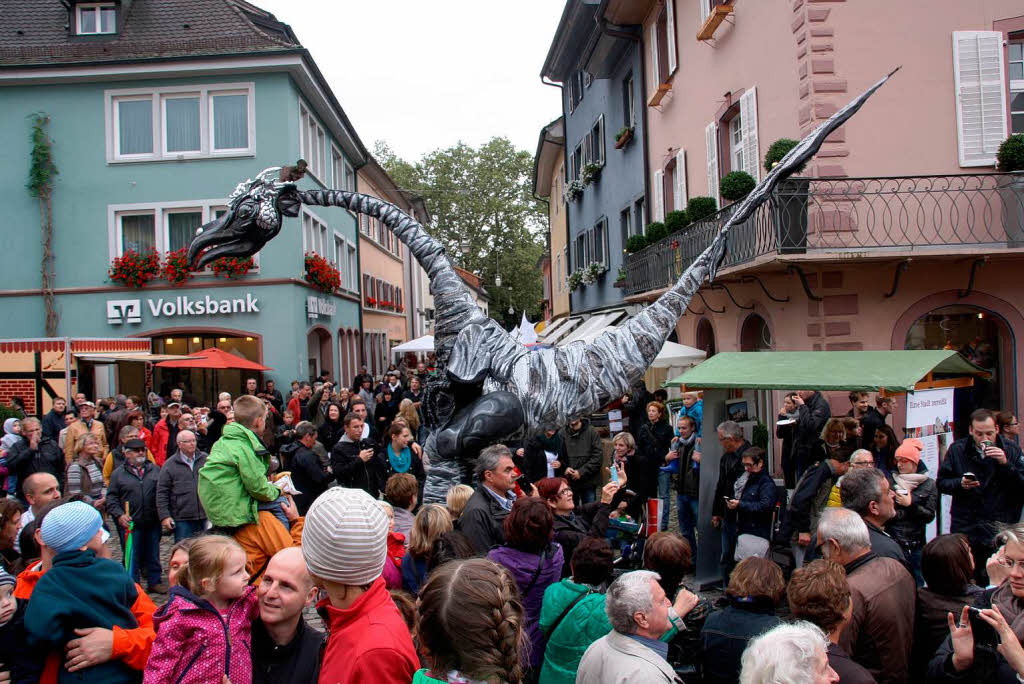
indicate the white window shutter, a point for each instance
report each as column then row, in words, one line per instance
column 658, row 210
column 748, row 115
column 671, row 32
column 653, row 41
column 711, row 142
column 980, row 98
column 679, row 197
column 705, row 10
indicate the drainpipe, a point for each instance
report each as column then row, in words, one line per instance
column 565, row 165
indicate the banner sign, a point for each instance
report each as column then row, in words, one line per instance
column 930, row 419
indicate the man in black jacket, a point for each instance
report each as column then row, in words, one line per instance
column 810, row 498
column 309, row 477
column 34, row 454
column 135, row 483
column 177, row 489
column 284, row 647
column 730, row 469
column 352, row 458
column 53, row 421
column 984, row 474
column 812, row 412
column 483, row 517
column 583, row 454
column 874, row 418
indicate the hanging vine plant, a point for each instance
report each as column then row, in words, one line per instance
column 40, row 185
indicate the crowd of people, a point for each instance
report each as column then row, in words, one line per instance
column 280, row 502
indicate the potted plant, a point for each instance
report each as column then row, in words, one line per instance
column 176, row 267
column 1010, row 159
column 574, row 190
column 789, row 201
column 700, row 208
column 623, row 137
column 595, row 270
column 655, row 231
column 736, row 185
column 133, row 269
column 675, row 221
column 635, row 243
column 620, row 279
column 231, row 268
column 592, row 173
column 322, row 275
column 575, row 279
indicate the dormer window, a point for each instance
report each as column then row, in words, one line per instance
column 95, row 18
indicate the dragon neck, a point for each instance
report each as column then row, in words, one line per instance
column 454, row 304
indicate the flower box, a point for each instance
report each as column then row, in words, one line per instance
column 624, row 138
column 133, row 269
column 231, row 268
column 321, row 274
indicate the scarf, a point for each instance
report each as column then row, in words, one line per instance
column 909, row 482
column 553, row 443
column 1011, row 607
column 400, row 462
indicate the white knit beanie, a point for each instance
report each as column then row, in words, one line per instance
column 345, row 537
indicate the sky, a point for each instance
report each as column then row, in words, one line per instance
column 425, row 75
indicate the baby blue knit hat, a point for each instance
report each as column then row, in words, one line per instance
column 70, row 526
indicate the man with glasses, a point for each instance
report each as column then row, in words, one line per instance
column 984, row 475
column 483, row 517
column 862, row 458
column 177, row 490
column 85, row 424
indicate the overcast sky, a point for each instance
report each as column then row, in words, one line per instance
column 424, row 75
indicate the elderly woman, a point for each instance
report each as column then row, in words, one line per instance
column 833, row 435
column 795, row 654
column 572, row 523
column 957, row 659
column 84, row 474
column 755, row 587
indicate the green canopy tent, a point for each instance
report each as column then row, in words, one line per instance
column 870, row 371
column 887, row 372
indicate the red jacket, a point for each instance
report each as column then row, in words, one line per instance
column 158, row 441
column 368, row 641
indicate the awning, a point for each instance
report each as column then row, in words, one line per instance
column 870, row 371
column 557, row 331
column 214, row 359
column 114, row 357
column 596, row 322
column 420, row 344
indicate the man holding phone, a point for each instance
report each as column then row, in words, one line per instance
column 984, row 474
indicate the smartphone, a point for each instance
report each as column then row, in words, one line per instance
column 971, row 476
column 614, row 471
column 984, row 633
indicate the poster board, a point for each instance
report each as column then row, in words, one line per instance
column 930, row 419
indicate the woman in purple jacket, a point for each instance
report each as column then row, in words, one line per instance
column 534, row 561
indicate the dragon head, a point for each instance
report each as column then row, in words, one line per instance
column 253, row 217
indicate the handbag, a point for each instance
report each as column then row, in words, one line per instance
column 748, row 545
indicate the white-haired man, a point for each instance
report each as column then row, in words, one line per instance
column 640, row 613
column 881, row 630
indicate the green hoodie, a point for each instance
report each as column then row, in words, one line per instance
column 583, row 625
column 235, row 478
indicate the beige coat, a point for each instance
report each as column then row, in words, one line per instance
column 617, row 659
column 76, row 430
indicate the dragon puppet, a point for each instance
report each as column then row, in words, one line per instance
column 489, row 387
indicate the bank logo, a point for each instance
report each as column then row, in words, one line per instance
column 124, row 311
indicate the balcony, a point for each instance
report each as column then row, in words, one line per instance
column 830, row 218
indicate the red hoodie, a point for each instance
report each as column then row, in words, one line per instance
column 368, row 642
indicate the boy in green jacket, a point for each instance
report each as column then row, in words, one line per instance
column 234, row 478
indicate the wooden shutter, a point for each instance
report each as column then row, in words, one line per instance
column 670, row 32
column 658, row 209
column 679, row 197
column 748, row 116
column 711, row 142
column 652, row 39
column 980, row 97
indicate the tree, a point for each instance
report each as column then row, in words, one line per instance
column 483, row 211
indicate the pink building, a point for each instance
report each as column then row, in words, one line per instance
column 901, row 234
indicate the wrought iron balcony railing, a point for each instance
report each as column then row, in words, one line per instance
column 837, row 215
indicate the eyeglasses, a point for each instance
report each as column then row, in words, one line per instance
column 750, row 466
column 862, row 464
column 1010, row 563
column 565, row 494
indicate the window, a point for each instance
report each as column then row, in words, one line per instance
column 314, row 235
column 576, row 167
column 181, row 227
column 96, row 18
column 337, row 169
column 736, row 143
column 1016, row 67
column 628, row 111
column 599, row 249
column 179, row 122
column 596, row 138
column 662, row 40
column 638, row 216
column 138, row 232
column 350, row 178
column 575, row 90
column 581, row 251
column 626, row 225
column 340, row 257
column 165, row 227
column 353, row 268
column 978, row 81
column 311, row 143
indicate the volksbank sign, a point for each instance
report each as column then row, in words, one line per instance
column 130, row 310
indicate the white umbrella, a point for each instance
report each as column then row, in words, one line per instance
column 420, row 344
column 527, row 335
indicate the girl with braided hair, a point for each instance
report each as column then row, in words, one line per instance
column 470, row 625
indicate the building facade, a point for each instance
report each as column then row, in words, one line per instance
column 899, row 235
column 157, row 110
column 549, row 184
column 599, row 66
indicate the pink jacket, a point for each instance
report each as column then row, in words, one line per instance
column 194, row 645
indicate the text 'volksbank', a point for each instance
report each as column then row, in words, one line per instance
column 130, row 310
